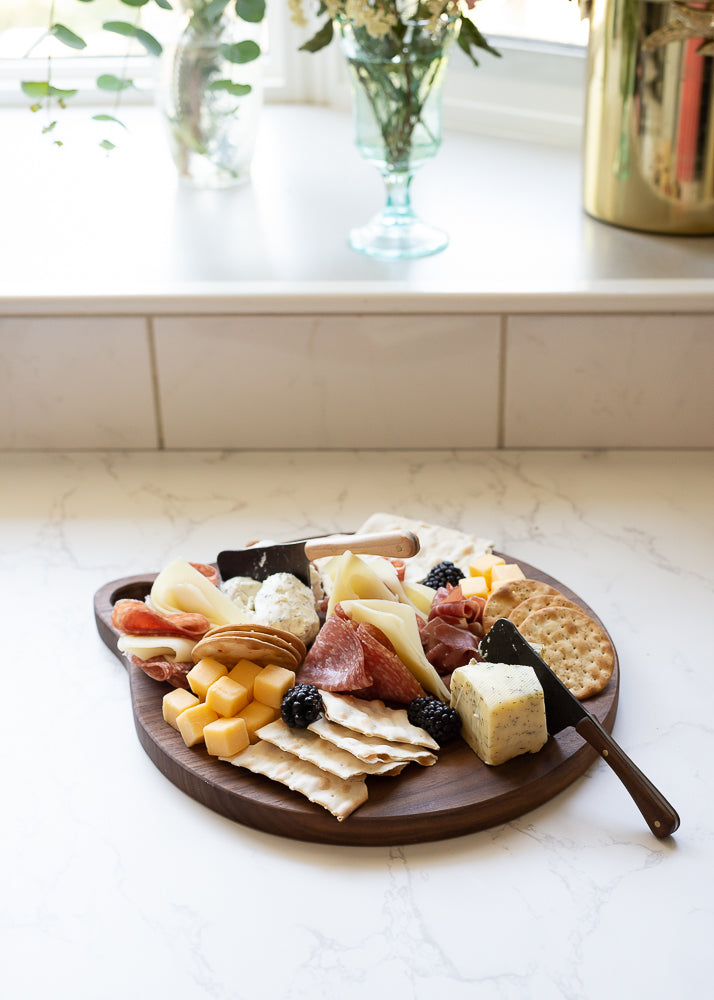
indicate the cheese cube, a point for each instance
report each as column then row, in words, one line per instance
column 256, row 715
column 245, row 672
column 227, row 697
column 174, row 703
column 474, row 586
column 205, row 673
column 271, row 684
column 502, row 710
column 226, row 737
column 506, row 573
column 192, row 721
column 483, row 565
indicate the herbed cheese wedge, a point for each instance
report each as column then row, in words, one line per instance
column 502, row 710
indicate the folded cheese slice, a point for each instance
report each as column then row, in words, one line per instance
column 181, row 588
column 149, row 647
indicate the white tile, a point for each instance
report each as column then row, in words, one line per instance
column 609, row 381
column 328, row 381
column 76, row 382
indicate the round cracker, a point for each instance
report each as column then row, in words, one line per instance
column 575, row 647
column 538, row 601
column 228, row 649
column 503, row 600
column 267, row 632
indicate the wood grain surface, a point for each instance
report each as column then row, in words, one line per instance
column 456, row 796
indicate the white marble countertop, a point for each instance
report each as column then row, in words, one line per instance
column 117, row 884
column 91, row 233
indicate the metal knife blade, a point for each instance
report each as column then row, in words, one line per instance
column 503, row 643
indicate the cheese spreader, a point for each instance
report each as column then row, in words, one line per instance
column 261, row 561
column 503, row 643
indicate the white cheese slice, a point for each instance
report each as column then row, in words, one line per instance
column 147, row 647
column 181, row 588
column 502, row 710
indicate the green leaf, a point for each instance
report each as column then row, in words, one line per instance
column 67, row 37
column 241, row 52
column 107, row 118
column 236, row 89
column 319, row 40
column 41, row 88
column 164, row 4
column 107, row 81
column 214, row 9
column 151, row 44
column 106, row 144
column 251, row 10
column 471, row 38
column 135, row 3
column 49, row 128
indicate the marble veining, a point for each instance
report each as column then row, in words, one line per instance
column 115, row 883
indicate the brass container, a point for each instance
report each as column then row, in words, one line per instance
column 649, row 121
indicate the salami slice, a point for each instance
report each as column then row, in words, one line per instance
column 391, row 679
column 136, row 618
column 209, row 572
column 335, row 661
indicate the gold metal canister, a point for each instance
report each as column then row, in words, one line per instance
column 649, row 121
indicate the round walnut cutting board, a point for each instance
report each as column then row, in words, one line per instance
column 457, row 795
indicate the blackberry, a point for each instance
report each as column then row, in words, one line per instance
column 443, row 573
column 301, row 705
column 440, row 721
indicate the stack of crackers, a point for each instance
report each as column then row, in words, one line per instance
column 574, row 645
column 329, row 761
column 261, row 644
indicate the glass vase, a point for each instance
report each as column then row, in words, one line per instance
column 212, row 94
column 396, row 85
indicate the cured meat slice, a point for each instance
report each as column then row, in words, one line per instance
column 210, row 572
column 160, row 669
column 136, row 618
column 447, row 646
column 450, row 604
column 391, row 679
column 335, row 661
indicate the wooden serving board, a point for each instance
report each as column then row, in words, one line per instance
column 457, row 795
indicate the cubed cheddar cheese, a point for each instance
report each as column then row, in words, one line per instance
column 176, row 702
column 226, row 737
column 256, row 715
column 245, row 672
column 474, row 586
column 227, row 697
column 506, row 573
column 206, row 672
column 192, row 722
column 271, row 685
column 483, row 565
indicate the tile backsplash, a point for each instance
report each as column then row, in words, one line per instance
column 465, row 380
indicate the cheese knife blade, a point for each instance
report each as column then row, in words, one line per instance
column 503, row 643
column 261, row 561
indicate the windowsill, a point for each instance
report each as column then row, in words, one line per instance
column 118, row 234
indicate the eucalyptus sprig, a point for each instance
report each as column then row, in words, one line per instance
column 46, row 95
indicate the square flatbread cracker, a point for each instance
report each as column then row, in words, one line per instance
column 339, row 796
column 503, row 600
column 370, row 748
column 373, row 718
column 575, row 647
column 327, row 756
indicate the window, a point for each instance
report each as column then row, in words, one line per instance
column 534, row 90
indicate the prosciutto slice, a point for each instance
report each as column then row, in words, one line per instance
column 447, row 646
column 451, row 606
column 160, row 669
column 133, row 617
